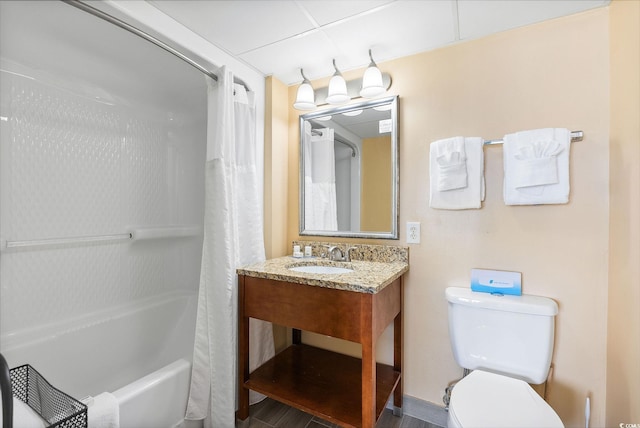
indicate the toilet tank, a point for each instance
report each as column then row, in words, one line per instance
column 510, row 335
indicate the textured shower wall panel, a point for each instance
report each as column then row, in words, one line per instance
column 64, row 166
column 144, row 163
column 75, row 166
column 45, row 286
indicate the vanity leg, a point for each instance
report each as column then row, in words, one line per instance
column 398, row 334
column 243, row 354
column 368, row 341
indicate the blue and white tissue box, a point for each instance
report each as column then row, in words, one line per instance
column 496, row 281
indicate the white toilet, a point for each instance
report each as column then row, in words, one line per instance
column 507, row 341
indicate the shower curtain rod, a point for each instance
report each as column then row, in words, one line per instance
column 339, row 140
column 348, row 144
column 130, row 28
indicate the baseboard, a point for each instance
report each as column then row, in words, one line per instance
column 423, row 410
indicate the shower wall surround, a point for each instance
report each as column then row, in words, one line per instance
column 73, row 166
column 94, row 157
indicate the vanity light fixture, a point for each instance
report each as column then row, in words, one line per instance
column 337, row 88
column 339, row 91
column 372, row 81
column 305, row 97
column 352, row 113
column 383, row 107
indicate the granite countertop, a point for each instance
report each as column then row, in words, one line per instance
column 367, row 276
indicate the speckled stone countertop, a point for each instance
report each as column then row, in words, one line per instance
column 368, row 276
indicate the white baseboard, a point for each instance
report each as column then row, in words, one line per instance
column 423, row 410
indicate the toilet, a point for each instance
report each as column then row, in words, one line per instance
column 507, row 342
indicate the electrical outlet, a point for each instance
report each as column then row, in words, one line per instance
column 413, row 232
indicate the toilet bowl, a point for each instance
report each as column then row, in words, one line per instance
column 484, row 399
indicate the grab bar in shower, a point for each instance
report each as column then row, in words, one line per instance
column 177, row 231
column 134, row 234
column 65, row 241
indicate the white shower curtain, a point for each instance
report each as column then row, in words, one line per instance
column 320, row 207
column 232, row 238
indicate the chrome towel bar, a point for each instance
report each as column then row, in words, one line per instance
column 575, row 136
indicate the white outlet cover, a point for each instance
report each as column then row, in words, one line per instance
column 413, row 232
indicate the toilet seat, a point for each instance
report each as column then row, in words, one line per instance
column 484, row 399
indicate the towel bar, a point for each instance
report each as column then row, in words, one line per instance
column 575, row 136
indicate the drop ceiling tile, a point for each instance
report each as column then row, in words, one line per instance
column 325, row 12
column 277, row 37
column 284, row 59
column 239, row 26
column 399, row 29
column 482, row 17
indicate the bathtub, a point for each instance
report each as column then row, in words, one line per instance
column 141, row 352
column 156, row 400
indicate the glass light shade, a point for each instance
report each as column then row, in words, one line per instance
column 337, row 90
column 384, row 107
column 372, row 83
column 305, row 97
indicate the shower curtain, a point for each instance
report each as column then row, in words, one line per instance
column 320, row 207
column 232, row 238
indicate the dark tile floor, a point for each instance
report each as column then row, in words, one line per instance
column 272, row 414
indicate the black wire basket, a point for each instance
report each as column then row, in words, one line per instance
column 54, row 406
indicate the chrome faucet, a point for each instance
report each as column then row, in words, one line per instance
column 334, row 253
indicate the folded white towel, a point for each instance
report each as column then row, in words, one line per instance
column 536, row 167
column 452, row 163
column 468, row 197
column 103, row 411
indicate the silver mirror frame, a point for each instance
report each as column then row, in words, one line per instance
column 395, row 170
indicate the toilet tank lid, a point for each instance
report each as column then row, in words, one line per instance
column 526, row 304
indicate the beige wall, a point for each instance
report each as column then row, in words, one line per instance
column 276, row 165
column 276, row 151
column 623, row 360
column 553, row 74
column 375, row 196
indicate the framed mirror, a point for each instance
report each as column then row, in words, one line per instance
column 349, row 171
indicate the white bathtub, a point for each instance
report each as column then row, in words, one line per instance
column 141, row 352
column 158, row 399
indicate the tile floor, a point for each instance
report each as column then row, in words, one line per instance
column 272, row 414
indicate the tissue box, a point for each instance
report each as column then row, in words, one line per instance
column 496, row 281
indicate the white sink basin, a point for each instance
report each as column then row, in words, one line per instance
column 331, row 270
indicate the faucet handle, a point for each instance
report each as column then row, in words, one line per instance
column 347, row 253
column 325, row 254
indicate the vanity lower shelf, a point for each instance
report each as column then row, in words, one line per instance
column 323, row 383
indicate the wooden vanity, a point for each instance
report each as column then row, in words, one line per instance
column 358, row 306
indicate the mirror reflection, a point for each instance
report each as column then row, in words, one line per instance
column 349, row 171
